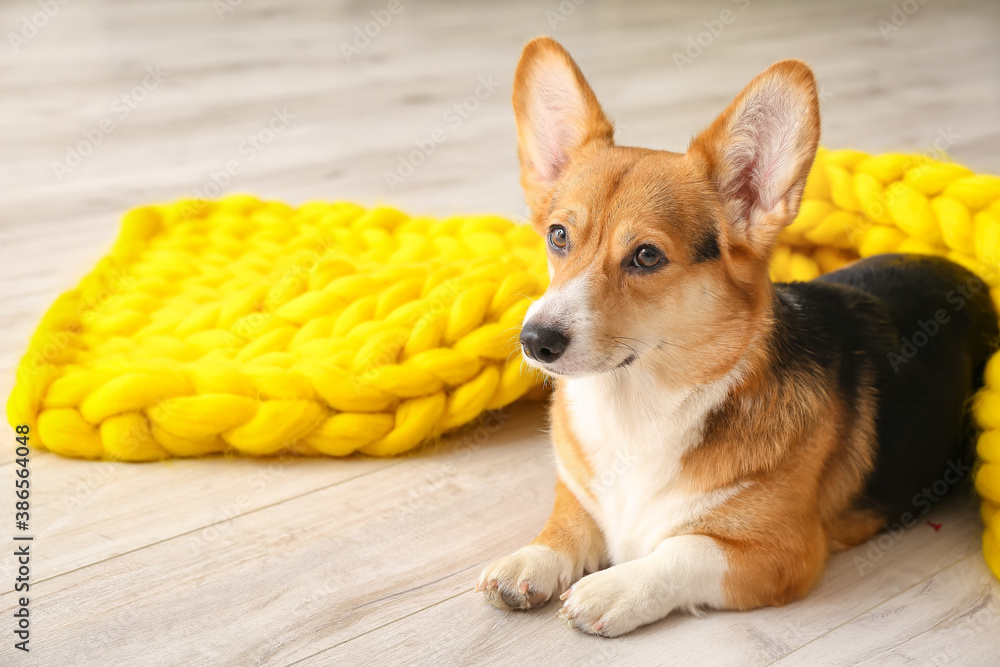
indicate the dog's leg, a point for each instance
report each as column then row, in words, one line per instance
column 569, row 544
column 684, row 572
column 691, row 571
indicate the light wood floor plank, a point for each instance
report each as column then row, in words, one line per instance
column 467, row 631
column 948, row 619
column 88, row 511
column 294, row 577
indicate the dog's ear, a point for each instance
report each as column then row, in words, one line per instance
column 557, row 114
column 759, row 151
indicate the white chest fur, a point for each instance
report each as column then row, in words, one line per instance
column 635, row 436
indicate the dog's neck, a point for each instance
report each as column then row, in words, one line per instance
column 633, row 400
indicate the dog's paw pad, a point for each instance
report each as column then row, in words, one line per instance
column 527, row 578
column 600, row 604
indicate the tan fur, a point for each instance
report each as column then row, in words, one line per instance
column 797, row 450
column 570, row 530
column 567, row 447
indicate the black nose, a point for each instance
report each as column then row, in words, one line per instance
column 543, row 344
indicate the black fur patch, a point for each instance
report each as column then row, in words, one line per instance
column 917, row 331
column 707, row 248
column 928, row 365
column 628, row 360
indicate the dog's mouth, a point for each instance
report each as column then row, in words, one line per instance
column 560, row 368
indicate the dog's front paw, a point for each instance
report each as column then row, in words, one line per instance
column 527, row 578
column 606, row 603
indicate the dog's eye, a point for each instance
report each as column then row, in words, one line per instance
column 647, row 257
column 557, row 237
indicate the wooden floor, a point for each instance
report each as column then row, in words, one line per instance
column 363, row 561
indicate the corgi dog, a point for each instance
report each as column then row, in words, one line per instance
column 717, row 436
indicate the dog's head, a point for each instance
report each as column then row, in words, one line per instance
column 656, row 258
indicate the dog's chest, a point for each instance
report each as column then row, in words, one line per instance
column 635, row 441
